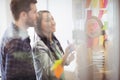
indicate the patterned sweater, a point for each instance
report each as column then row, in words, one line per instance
column 15, row 55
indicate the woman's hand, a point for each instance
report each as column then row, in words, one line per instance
column 69, row 54
column 70, row 58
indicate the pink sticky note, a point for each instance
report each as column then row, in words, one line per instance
column 89, row 14
column 100, row 14
column 105, row 3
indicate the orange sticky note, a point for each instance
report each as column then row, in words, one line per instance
column 58, row 71
column 88, row 3
column 101, row 3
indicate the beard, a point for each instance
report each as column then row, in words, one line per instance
column 30, row 22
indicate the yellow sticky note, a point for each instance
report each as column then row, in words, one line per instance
column 57, row 62
column 95, row 3
column 101, row 40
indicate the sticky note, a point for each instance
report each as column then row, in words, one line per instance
column 101, row 12
column 89, row 14
column 101, row 40
column 95, row 3
column 58, row 71
column 101, row 3
column 105, row 3
column 57, row 62
column 88, row 3
column 105, row 26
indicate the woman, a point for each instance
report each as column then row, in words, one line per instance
column 47, row 48
column 97, row 47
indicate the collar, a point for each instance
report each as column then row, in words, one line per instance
column 18, row 32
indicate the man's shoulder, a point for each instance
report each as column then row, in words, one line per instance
column 12, row 31
column 11, row 34
column 12, row 41
column 14, row 45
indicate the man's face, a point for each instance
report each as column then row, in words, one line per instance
column 31, row 19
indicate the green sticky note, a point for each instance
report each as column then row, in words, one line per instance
column 105, row 26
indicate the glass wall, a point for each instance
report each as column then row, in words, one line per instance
column 95, row 31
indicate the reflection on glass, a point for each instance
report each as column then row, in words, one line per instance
column 92, row 36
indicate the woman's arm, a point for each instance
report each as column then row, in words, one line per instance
column 42, row 61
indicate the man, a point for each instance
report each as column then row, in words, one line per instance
column 15, row 51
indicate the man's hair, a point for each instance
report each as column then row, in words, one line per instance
column 17, row 6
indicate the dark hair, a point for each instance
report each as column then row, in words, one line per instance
column 39, row 19
column 17, row 6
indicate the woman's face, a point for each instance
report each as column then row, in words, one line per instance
column 48, row 23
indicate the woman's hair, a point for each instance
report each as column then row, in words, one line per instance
column 39, row 20
column 43, row 38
